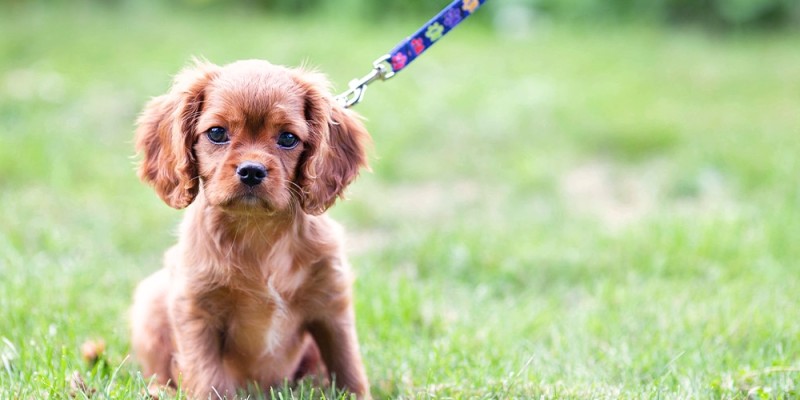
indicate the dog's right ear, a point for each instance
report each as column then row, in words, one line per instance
column 165, row 135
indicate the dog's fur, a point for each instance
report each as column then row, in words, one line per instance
column 257, row 289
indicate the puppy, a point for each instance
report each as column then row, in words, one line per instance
column 257, row 290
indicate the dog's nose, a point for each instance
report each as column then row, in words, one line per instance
column 251, row 173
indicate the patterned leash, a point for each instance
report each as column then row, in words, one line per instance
column 409, row 49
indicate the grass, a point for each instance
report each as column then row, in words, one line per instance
column 580, row 212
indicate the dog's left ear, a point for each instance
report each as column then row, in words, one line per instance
column 335, row 150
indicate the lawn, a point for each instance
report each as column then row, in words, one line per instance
column 603, row 211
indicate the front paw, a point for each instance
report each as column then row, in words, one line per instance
column 363, row 396
column 213, row 392
column 213, row 387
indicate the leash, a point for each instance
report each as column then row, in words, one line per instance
column 409, row 49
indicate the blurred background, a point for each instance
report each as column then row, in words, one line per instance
column 718, row 14
column 567, row 199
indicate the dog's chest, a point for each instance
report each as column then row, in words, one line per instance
column 285, row 319
column 265, row 326
column 267, row 319
column 272, row 318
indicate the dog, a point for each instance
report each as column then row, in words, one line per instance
column 257, row 291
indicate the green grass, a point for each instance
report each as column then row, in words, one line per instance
column 583, row 212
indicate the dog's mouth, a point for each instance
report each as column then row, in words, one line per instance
column 250, row 200
column 247, row 201
column 258, row 200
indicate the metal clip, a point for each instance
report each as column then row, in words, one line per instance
column 381, row 69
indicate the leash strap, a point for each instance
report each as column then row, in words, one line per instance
column 409, row 49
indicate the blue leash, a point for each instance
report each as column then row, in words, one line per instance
column 409, row 49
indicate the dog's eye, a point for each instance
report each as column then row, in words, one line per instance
column 288, row 140
column 218, row 135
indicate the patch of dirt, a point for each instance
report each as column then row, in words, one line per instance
column 619, row 196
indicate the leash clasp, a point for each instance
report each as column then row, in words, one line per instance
column 381, row 70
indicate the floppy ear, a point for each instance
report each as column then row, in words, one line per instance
column 165, row 136
column 335, row 150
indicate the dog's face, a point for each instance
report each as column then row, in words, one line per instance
column 253, row 135
column 250, row 137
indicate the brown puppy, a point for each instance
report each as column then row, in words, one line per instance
column 257, row 289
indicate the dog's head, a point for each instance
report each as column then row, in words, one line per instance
column 252, row 134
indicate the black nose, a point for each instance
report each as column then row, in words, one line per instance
column 251, row 173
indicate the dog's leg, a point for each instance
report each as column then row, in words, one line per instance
column 311, row 364
column 198, row 339
column 150, row 331
column 338, row 344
